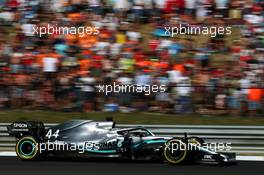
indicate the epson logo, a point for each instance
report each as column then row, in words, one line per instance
column 20, row 125
column 208, row 156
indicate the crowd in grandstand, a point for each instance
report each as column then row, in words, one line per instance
column 201, row 73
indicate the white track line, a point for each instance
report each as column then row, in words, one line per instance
column 250, row 158
column 7, row 153
column 241, row 158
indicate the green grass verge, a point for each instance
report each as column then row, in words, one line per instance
column 131, row 118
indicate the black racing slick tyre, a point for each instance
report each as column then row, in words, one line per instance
column 27, row 148
column 175, row 151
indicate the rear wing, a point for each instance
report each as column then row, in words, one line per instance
column 19, row 129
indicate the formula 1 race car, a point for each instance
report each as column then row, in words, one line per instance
column 92, row 139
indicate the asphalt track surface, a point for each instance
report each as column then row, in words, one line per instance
column 12, row 165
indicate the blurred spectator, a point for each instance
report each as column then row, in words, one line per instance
column 255, row 98
column 199, row 72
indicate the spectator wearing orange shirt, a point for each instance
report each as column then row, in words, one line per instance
column 255, row 98
column 84, row 65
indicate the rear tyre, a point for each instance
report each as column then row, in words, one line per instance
column 27, row 148
column 175, row 151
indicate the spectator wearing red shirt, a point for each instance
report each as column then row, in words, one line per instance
column 13, row 4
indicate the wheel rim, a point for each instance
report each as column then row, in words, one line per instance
column 174, row 156
column 27, row 148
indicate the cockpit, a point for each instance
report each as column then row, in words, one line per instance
column 136, row 132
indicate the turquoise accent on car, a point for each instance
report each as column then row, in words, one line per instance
column 150, row 142
column 134, row 146
column 102, row 151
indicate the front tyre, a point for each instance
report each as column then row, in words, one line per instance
column 175, row 151
column 27, row 148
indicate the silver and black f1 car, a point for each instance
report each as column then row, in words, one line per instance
column 86, row 138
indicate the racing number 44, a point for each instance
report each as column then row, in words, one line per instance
column 55, row 134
